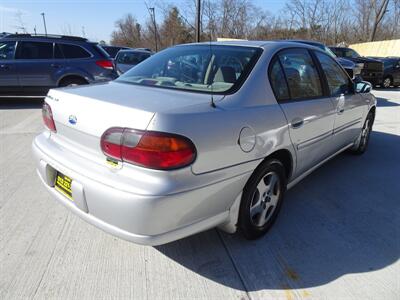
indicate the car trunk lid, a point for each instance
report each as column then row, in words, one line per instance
column 83, row 114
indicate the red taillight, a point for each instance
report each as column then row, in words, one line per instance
column 149, row 149
column 105, row 63
column 48, row 117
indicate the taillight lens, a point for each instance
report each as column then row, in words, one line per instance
column 48, row 117
column 149, row 149
column 105, row 63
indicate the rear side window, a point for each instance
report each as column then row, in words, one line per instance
column 301, row 74
column 73, row 51
column 34, row 50
column 7, row 50
column 338, row 81
column 278, row 82
column 131, row 58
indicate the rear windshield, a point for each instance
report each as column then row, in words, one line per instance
column 200, row 68
column 131, row 58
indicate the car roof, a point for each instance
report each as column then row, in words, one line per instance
column 258, row 44
column 47, row 38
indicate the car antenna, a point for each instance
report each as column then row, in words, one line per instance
column 211, row 85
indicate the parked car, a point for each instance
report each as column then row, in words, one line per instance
column 391, row 71
column 127, row 59
column 351, row 68
column 113, row 50
column 157, row 155
column 32, row 64
column 372, row 69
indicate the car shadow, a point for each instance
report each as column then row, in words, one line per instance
column 342, row 219
column 21, row 103
column 384, row 102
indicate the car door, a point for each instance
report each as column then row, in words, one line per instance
column 349, row 106
column 8, row 70
column 309, row 112
column 35, row 64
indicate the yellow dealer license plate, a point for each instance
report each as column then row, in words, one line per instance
column 63, row 185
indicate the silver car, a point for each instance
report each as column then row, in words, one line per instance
column 199, row 136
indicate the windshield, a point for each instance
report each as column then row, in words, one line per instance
column 350, row 53
column 131, row 58
column 202, row 68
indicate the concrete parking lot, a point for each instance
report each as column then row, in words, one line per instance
column 338, row 234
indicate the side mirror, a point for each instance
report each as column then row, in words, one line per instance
column 362, row 87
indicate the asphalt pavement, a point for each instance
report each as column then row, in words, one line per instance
column 337, row 237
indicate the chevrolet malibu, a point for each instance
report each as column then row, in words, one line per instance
column 200, row 136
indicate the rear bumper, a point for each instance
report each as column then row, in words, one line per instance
column 143, row 219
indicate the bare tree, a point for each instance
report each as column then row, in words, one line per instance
column 379, row 9
column 128, row 32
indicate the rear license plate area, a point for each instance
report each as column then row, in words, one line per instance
column 63, row 184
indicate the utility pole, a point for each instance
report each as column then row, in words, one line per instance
column 153, row 15
column 34, row 29
column 198, row 22
column 44, row 23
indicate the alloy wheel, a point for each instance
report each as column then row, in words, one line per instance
column 265, row 199
column 387, row 82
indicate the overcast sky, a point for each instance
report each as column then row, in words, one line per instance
column 95, row 18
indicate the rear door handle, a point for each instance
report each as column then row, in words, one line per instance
column 55, row 66
column 340, row 110
column 297, row 123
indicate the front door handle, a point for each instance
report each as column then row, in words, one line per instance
column 297, row 123
column 340, row 110
column 55, row 66
column 5, row 67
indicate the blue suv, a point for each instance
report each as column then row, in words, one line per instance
column 32, row 64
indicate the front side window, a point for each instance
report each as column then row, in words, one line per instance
column 338, row 81
column 301, row 74
column 389, row 64
column 34, row 50
column 7, row 50
column 73, row 51
column 202, row 68
column 278, row 82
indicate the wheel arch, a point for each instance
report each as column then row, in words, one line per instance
column 286, row 158
column 71, row 76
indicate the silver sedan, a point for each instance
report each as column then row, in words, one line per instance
column 199, row 136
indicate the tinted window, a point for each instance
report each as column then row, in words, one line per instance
column 131, row 58
column 389, row 64
column 202, row 68
column 278, row 81
column 57, row 52
column 7, row 50
column 73, row 51
column 34, row 50
column 301, row 74
column 338, row 81
column 350, row 53
column 337, row 52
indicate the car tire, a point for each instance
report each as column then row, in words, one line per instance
column 361, row 144
column 387, row 82
column 262, row 199
column 72, row 82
